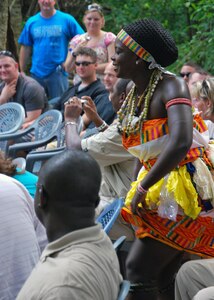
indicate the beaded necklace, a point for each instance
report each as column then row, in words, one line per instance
column 128, row 122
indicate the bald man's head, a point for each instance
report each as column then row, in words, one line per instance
column 68, row 181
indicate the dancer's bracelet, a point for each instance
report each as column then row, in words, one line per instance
column 141, row 190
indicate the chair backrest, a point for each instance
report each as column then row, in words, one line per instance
column 35, row 159
column 110, row 214
column 124, row 290
column 12, row 116
column 47, row 124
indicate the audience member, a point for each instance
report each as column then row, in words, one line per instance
column 195, row 280
column 101, row 41
column 189, row 68
column 22, row 237
column 79, row 261
column 9, row 168
column 110, row 77
column 46, row 36
column 16, row 87
column 89, row 85
column 203, row 99
column 197, row 76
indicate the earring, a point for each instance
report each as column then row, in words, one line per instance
column 137, row 62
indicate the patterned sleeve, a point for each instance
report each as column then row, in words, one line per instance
column 109, row 38
column 75, row 41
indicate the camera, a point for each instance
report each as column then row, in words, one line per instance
column 83, row 101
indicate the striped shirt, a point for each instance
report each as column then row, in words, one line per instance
column 22, row 237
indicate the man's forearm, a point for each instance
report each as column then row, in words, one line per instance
column 24, row 56
column 72, row 138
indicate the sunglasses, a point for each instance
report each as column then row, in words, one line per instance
column 7, row 53
column 185, row 74
column 94, row 7
column 83, row 63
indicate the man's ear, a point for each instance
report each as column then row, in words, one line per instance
column 42, row 199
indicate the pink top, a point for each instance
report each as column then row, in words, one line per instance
column 100, row 48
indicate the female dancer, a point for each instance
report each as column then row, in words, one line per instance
column 171, row 202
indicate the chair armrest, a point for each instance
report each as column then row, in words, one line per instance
column 15, row 135
column 13, row 149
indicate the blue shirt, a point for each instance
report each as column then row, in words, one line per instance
column 49, row 38
column 29, row 180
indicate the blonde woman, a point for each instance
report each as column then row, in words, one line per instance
column 203, row 96
column 97, row 39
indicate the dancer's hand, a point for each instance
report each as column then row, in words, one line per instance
column 138, row 198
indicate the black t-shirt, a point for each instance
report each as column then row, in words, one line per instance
column 92, row 90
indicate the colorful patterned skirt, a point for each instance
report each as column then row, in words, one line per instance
column 190, row 185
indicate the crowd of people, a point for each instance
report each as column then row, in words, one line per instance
column 146, row 136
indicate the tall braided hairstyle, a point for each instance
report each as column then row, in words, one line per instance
column 155, row 39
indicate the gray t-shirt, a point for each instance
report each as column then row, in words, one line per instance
column 29, row 93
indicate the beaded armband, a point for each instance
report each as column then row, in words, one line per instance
column 178, row 101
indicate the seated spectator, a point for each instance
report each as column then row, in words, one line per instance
column 197, row 76
column 188, row 68
column 22, row 237
column 28, row 179
column 110, row 77
column 86, row 63
column 203, row 97
column 79, row 262
column 195, row 280
column 203, row 100
column 17, row 87
column 106, row 147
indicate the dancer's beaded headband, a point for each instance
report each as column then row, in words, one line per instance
column 134, row 46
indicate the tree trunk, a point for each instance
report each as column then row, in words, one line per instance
column 4, row 7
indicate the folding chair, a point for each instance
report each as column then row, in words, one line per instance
column 35, row 158
column 44, row 130
column 12, row 116
column 110, row 214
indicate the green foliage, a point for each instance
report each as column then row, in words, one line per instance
column 200, row 48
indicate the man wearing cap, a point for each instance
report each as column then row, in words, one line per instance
column 16, row 87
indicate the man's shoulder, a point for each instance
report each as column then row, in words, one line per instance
column 29, row 81
column 34, row 18
column 64, row 15
column 99, row 87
